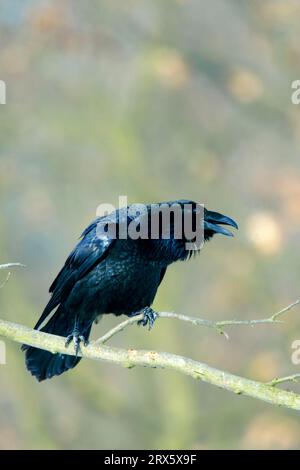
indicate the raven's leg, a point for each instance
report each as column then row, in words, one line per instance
column 149, row 317
column 43, row 364
column 77, row 338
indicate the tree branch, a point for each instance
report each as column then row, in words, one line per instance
column 218, row 325
column 131, row 357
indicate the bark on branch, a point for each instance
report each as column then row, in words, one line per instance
column 130, row 357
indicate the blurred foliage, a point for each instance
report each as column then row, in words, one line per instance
column 156, row 100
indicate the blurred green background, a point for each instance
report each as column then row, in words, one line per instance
column 155, row 100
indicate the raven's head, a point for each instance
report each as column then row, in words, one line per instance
column 187, row 228
column 213, row 222
column 202, row 219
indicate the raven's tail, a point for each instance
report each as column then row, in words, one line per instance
column 43, row 364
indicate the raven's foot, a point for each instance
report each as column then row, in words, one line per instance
column 149, row 317
column 77, row 338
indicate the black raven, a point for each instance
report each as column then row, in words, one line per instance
column 107, row 273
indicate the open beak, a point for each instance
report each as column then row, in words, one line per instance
column 213, row 221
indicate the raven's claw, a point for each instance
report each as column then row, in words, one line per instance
column 149, row 317
column 77, row 339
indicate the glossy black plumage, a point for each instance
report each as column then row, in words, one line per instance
column 105, row 274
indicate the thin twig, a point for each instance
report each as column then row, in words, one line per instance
column 5, row 280
column 217, row 325
column 284, row 310
column 118, row 328
column 12, row 265
column 280, row 380
column 8, row 266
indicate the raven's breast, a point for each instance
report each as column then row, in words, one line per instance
column 129, row 286
column 123, row 283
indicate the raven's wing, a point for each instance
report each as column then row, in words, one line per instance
column 91, row 250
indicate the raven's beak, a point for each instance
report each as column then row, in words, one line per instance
column 213, row 220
